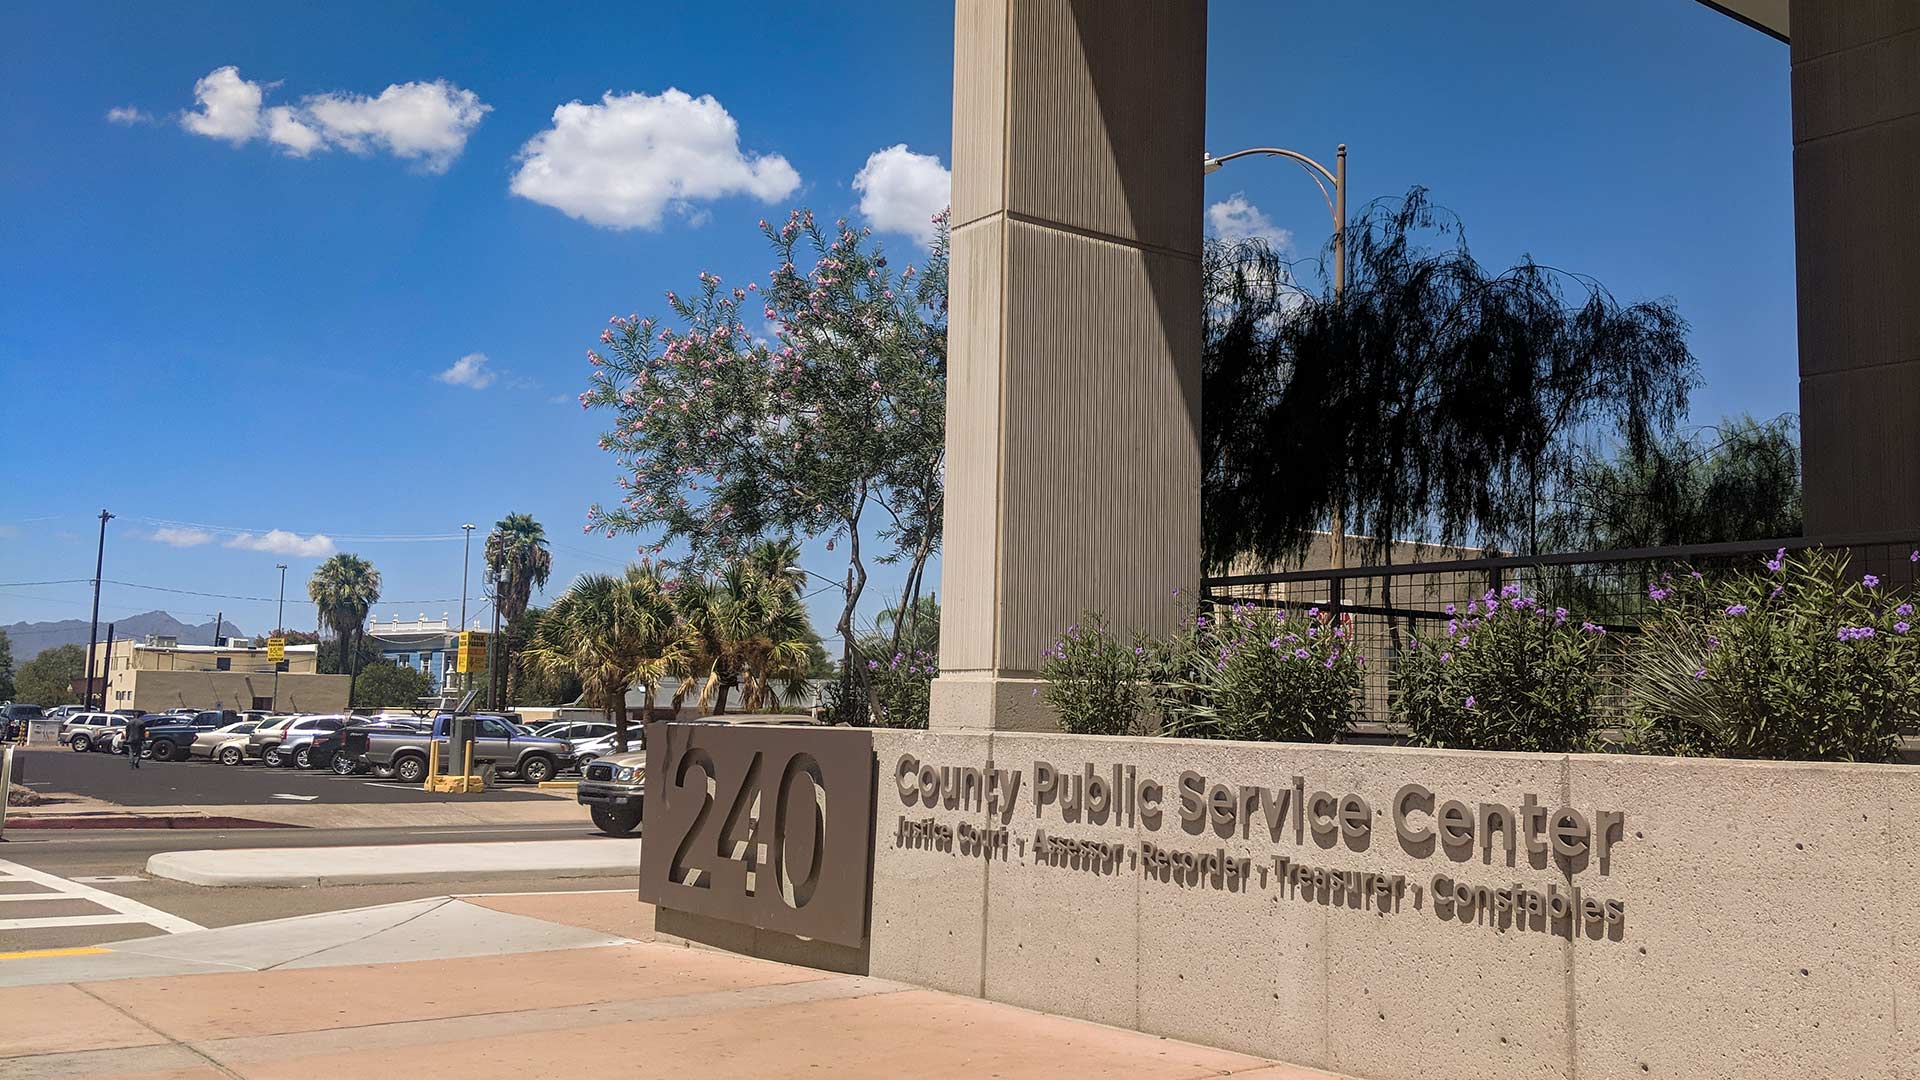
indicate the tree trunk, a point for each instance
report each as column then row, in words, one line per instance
column 620, row 720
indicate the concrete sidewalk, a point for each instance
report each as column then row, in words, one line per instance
column 637, row 1009
column 532, row 860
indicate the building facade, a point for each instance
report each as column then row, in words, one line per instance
column 428, row 646
column 159, row 674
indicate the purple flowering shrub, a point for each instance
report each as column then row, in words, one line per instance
column 1096, row 684
column 1230, row 673
column 1508, row 672
column 1262, row 674
column 1799, row 659
column 899, row 688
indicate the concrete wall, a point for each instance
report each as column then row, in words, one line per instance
column 157, row 691
column 1856, row 186
column 1766, row 925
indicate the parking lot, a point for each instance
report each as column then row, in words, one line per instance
column 107, row 777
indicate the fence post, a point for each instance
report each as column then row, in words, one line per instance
column 1333, row 595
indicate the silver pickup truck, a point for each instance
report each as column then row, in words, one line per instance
column 530, row 757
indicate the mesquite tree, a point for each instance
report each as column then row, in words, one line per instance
column 812, row 406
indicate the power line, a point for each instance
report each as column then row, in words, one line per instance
column 62, row 581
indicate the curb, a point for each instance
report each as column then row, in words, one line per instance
column 228, row 869
column 140, row 821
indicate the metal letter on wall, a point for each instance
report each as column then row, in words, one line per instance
column 767, row 825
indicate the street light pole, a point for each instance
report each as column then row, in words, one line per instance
column 93, row 629
column 279, row 630
column 1337, row 206
column 465, row 566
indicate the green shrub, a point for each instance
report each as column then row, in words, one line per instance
column 1259, row 674
column 1802, row 661
column 1094, row 683
column 1509, row 673
column 1238, row 673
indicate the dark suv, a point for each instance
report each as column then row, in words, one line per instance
column 13, row 719
column 169, row 737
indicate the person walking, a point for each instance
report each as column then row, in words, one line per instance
column 136, row 738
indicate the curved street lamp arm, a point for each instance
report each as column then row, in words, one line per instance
column 1314, row 170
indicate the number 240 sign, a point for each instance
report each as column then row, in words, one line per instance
column 767, row 825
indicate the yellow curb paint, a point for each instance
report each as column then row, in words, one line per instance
column 35, row 954
column 559, row 785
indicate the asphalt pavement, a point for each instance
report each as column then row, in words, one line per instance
column 204, row 783
column 113, row 863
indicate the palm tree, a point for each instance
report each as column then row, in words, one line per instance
column 344, row 589
column 745, row 629
column 610, row 632
column 517, row 562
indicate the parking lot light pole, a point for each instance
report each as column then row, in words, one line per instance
column 1337, row 206
column 465, row 566
column 279, row 630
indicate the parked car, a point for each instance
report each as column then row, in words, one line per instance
column 574, row 730
column 277, row 749
column 614, row 789
column 61, row 712
column 268, row 735
column 586, row 750
column 83, row 730
column 532, row 758
column 297, row 749
column 13, row 719
column 169, row 737
column 334, row 749
column 226, row 745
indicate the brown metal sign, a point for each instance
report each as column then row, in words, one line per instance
column 767, row 825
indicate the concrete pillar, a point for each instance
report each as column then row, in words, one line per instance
column 1856, row 194
column 1073, row 395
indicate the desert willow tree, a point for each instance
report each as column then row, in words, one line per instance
column 1434, row 400
column 343, row 589
column 811, row 407
column 611, row 633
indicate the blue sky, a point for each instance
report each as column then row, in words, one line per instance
column 234, row 323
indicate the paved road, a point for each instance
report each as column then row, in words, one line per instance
column 204, row 783
column 88, row 887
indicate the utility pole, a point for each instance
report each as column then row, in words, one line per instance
column 280, row 631
column 93, row 629
column 219, row 621
column 493, row 668
column 106, row 676
column 465, row 565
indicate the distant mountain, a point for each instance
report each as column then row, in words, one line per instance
column 32, row 638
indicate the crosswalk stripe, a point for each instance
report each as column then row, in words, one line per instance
column 125, row 910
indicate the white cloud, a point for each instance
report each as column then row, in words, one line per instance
column 427, row 122
column 180, row 537
column 624, row 162
column 469, row 371
column 901, row 191
column 127, row 114
column 282, row 542
column 229, row 106
column 416, row 121
column 1234, row 219
column 285, row 129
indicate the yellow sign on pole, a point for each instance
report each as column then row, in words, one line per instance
column 276, row 649
column 472, row 657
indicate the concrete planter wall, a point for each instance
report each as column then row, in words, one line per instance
column 1746, row 920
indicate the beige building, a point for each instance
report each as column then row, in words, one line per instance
column 160, row 674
